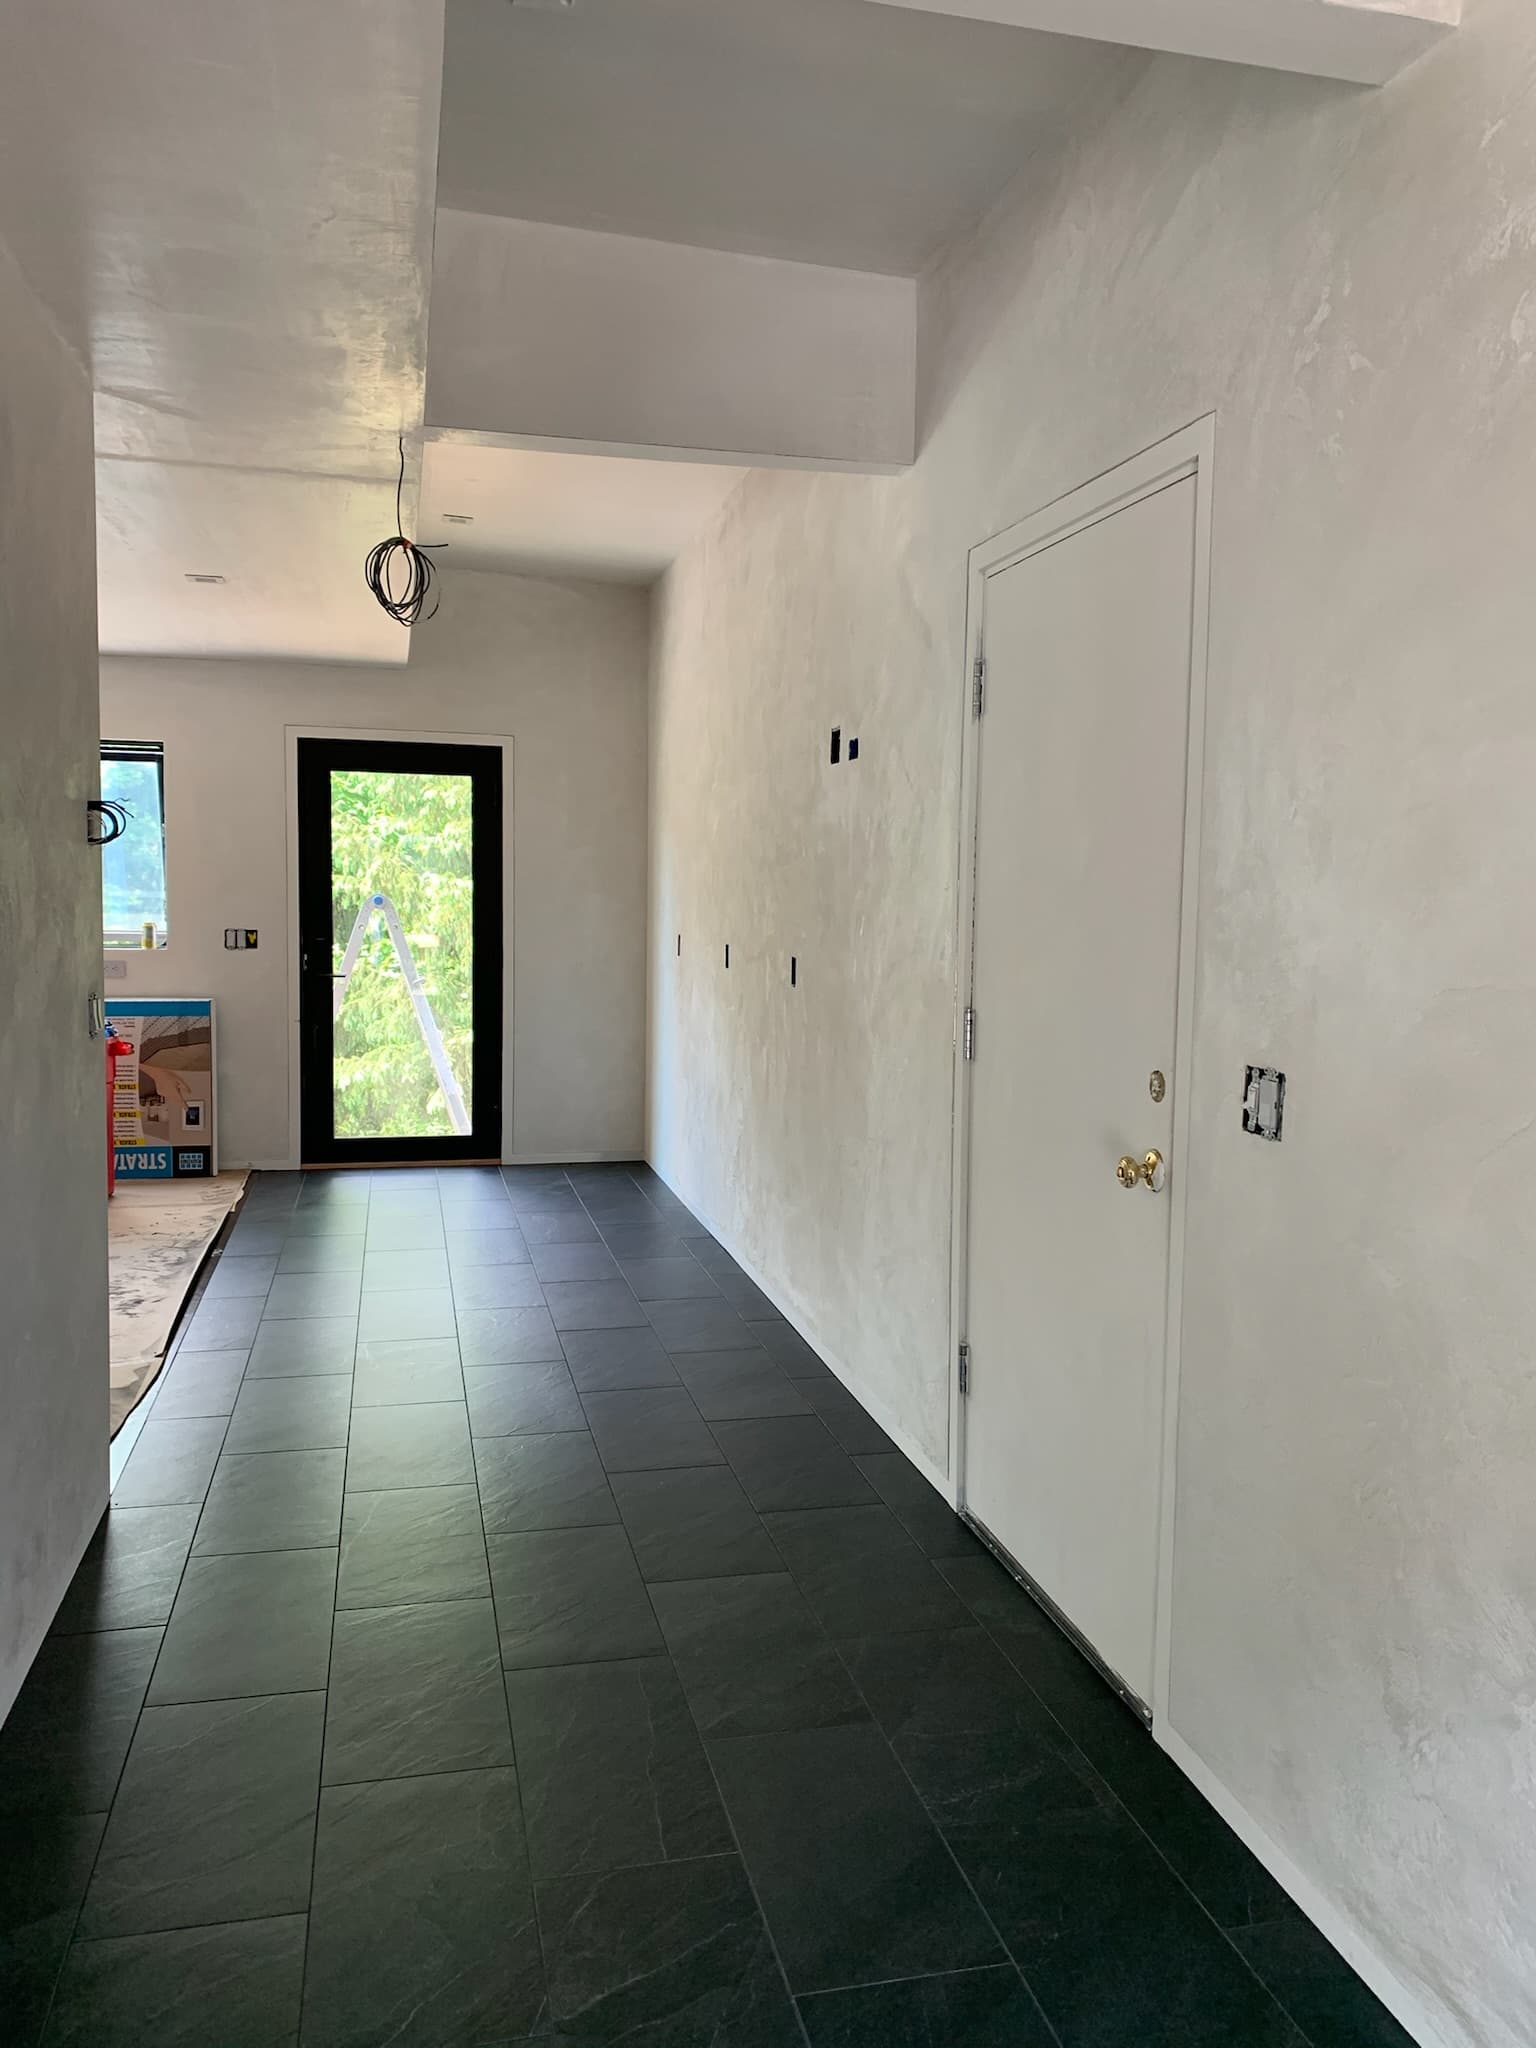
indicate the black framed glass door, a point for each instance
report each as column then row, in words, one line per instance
column 400, row 950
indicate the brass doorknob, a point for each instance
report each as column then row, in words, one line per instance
column 1148, row 1172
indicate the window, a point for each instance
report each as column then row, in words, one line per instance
column 133, row 867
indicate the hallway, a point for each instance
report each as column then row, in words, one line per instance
column 507, row 1628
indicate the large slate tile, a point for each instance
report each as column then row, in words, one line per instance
column 272, row 1500
column 541, row 1482
column 1228, row 1879
column 497, row 1287
column 673, row 1954
column 674, row 1279
column 789, row 1349
column 214, row 1819
column 556, row 1226
column 322, row 1255
column 919, row 1507
column 593, row 1305
column 970, row 1734
column 259, row 1236
column 507, row 1336
column 298, row 1296
column 862, row 1573
column 747, row 1298
column 644, row 1429
column 171, row 1464
column 603, row 1361
column 611, row 1768
column 45, row 1865
column 522, row 1400
column 751, row 1656
column 248, row 1625
column 699, row 1326
column 849, row 1422
column 234, row 1276
column 570, row 1596
column 790, row 1461
column 422, row 1929
column 854, row 1878
column 198, row 1383
column 693, row 1524
column 415, row 1689
column 130, row 1572
column 728, row 1386
column 652, row 1240
column 236, row 1985
column 1317, row 1987
column 303, row 1414
column 1110, row 1948
column 574, row 1262
column 986, row 2008
column 422, row 1445
column 64, row 1741
column 329, row 1219
column 404, row 1227
column 412, row 1545
column 320, row 1344
column 228, row 1325
column 499, row 1245
column 414, row 1312
column 405, row 1271
column 398, row 1372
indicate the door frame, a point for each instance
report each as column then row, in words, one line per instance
column 1187, row 453
column 292, row 734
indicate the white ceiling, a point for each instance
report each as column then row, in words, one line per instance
column 828, row 131
column 229, row 210
column 610, row 518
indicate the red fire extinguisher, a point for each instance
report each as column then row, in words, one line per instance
column 117, row 1048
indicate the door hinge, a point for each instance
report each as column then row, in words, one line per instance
column 968, row 1034
column 978, row 684
column 965, row 1368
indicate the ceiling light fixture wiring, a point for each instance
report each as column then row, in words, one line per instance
column 398, row 571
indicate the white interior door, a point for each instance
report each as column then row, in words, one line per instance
column 1080, row 832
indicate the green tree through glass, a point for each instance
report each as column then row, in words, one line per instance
column 409, row 837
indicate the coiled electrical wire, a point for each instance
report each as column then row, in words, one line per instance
column 398, row 572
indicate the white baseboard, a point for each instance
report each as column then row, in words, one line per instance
column 1325, row 1916
column 943, row 1485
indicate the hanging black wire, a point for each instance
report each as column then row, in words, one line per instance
column 114, row 820
column 398, row 572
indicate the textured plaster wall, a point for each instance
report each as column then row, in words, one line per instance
column 53, row 1251
column 561, row 668
column 1349, row 280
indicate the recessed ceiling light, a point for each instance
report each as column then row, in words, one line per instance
column 458, row 519
column 201, row 576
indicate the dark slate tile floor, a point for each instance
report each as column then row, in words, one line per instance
column 508, row 1631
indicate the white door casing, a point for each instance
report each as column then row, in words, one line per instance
column 1079, row 856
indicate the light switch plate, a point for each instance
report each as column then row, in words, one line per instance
column 1264, row 1103
column 114, row 970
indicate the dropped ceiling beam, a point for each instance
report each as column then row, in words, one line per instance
column 1367, row 41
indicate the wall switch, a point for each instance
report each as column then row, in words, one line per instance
column 239, row 939
column 1263, row 1102
column 114, row 970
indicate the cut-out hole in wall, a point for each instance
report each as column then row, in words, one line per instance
column 853, row 750
column 837, row 744
column 727, row 952
column 794, row 969
column 679, row 945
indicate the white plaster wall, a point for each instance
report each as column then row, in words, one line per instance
column 1349, row 280
column 53, row 1250
column 558, row 332
column 561, row 669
